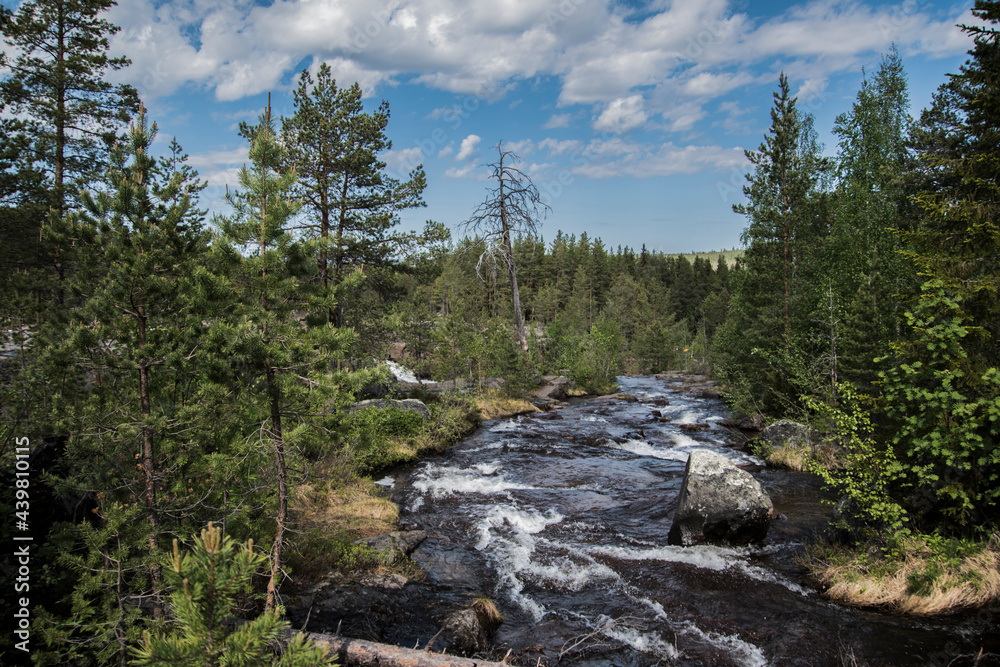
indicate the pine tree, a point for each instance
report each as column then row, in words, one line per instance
column 273, row 349
column 120, row 404
column 206, row 582
column 57, row 85
column 352, row 206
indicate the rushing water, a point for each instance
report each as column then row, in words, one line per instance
column 562, row 519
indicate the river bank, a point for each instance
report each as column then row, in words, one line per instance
column 486, row 484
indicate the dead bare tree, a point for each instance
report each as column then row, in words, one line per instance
column 512, row 207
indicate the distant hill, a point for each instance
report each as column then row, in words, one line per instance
column 713, row 256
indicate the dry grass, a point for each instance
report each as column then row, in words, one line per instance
column 494, row 405
column 918, row 582
column 353, row 508
column 793, row 458
column 799, row 458
column 487, row 613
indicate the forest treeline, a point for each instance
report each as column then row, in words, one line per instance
column 172, row 368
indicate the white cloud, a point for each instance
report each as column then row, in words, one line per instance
column 213, row 159
column 468, row 147
column 401, row 161
column 622, row 115
column 557, row 120
column 615, row 157
column 628, row 67
column 558, row 147
column 471, row 170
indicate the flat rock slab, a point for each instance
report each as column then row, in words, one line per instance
column 719, row 504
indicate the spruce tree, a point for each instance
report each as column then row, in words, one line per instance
column 764, row 344
column 864, row 262
column 943, row 380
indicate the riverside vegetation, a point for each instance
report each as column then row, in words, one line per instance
column 174, row 370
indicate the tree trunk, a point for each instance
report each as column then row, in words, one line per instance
column 360, row 653
column 339, row 258
column 522, row 337
column 279, row 461
column 148, row 470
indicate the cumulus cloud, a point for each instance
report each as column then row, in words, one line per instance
column 616, row 157
column 557, row 120
column 622, row 115
column 627, row 67
column 468, row 147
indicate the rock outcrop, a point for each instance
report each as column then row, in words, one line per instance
column 719, row 504
column 399, row 544
column 787, row 433
column 554, row 387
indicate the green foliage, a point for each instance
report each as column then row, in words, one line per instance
column 774, row 295
column 868, row 472
column 598, row 358
column 109, row 561
column 370, row 431
column 946, row 415
column 352, row 203
column 207, row 582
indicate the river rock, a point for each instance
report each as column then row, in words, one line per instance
column 400, row 544
column 410, row 404
column 554, row 387
column 462, row 633
column 719, row 503
column 754, row 422
column 786, row 433
column 397, row 352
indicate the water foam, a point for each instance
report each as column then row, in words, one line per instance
column 401, row 373
column 510, row 535
column 748, row 654
column 643, row 448
column 441, row 481
column 640, row 641
column 507, row 425
column 704, row 556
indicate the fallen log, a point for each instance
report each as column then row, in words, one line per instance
column 358, row 652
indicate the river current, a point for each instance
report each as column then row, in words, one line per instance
column 561, row 518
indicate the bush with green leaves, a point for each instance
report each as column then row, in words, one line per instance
column 945, row 414
column 869, row 472
column 206, row 583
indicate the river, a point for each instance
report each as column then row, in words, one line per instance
column 561, row 518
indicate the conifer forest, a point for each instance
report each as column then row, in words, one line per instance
column 182, row 382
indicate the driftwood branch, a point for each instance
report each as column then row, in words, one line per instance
column 360, row 653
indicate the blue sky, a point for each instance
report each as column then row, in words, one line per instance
column 631, row 117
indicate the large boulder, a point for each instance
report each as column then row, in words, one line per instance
column 554, row 387
column 719, row 503
column 786, row 433
column 411, row 404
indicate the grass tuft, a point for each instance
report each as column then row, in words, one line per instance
column 924, row 575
